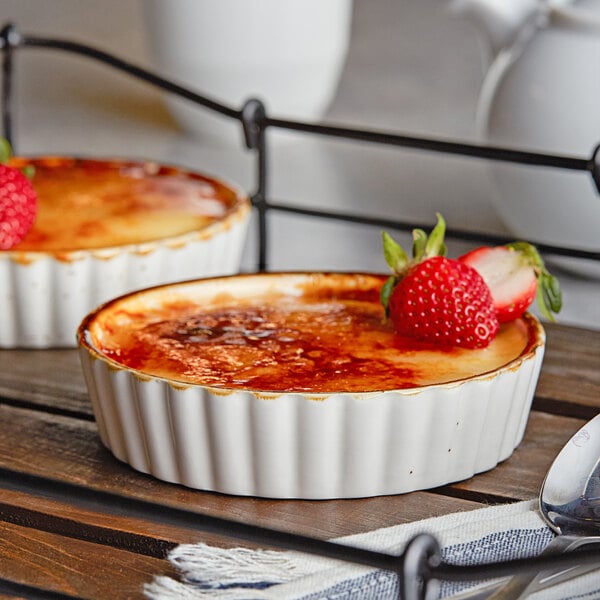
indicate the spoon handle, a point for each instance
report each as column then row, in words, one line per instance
column 538, row 584
column 517, row 585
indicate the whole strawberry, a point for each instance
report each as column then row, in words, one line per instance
column 18, row 202
column 434, row 298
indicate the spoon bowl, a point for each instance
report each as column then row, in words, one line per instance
column 570, row 504
column 570, row 494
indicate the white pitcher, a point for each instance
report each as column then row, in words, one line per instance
column 541, row 92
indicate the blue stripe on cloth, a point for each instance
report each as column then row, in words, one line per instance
column 379, row 585
column 595, row 595
column 494, row 547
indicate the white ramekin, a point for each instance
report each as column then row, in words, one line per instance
column 45, row 295
column 311, row 446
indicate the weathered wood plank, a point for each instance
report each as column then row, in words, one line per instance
column 571, row 370
column 69, row 566
column 127, row 533
column 46, row 378
column 69, row 449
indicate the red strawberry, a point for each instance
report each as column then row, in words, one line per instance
column 516, row 274
column 18, row 202
column 434, row 298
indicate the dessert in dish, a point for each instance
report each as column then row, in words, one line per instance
column 104, row 228
column 295, row 386
column 331, row 338
column 95, row 204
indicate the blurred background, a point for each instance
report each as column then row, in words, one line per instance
column 410, row 66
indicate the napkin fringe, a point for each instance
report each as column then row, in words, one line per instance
column 221, row 567
column 225, row 573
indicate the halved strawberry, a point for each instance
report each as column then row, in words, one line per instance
column 434, row 298
column 516, row 275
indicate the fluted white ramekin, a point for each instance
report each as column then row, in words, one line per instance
column 311, row 446
column 45, row 295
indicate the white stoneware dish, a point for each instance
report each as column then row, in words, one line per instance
column 44, row 294
column 291, row 444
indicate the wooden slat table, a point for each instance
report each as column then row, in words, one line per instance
column 61, row 542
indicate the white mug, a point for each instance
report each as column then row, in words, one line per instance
column 288, row 53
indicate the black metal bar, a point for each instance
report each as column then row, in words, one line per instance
column 438, row 145
column 253, row 121
column 8, row 38
column 420, row 556
column 179, row 517
column 27, row 41
column 596, row 167
column 460, row 234
column 13, row 589
column 261, row 199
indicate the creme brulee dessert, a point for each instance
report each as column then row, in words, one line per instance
column 90, row 204
column 322, row 338
column 293, row 385
column 104, row 228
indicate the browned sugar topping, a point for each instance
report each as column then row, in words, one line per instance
column 90, row 204
column 306, row 344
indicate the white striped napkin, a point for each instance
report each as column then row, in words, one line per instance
column 484, row 535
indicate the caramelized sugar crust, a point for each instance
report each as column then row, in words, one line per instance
column 321, row 341
column 91, row 204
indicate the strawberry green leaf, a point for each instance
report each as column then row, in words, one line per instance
column 28, row 171
column 435, row 245
column 5, row 150
column 419, row 244
column 548, row 294
column 386, row 292
column 554, row 292
column 394, row 255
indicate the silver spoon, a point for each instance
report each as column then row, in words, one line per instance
column 570, row 503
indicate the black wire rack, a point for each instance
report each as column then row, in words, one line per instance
column 419, row 567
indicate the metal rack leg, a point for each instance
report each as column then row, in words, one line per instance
column 254, row 124
column 8, row 39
